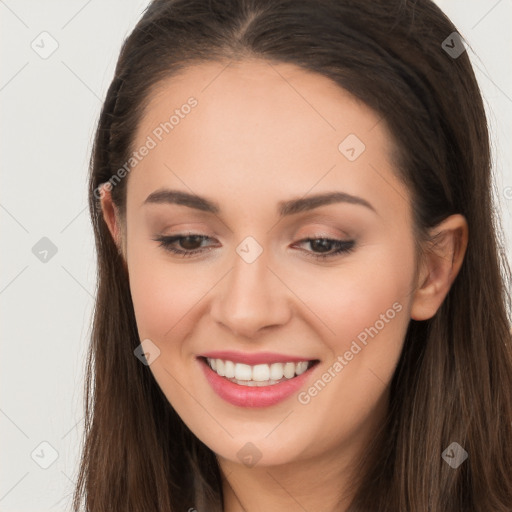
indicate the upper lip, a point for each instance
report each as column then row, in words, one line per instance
column 254, row 357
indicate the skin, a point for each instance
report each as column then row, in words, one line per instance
column 263, row 133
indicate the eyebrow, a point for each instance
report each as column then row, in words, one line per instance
column 285, row 208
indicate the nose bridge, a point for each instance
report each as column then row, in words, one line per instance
column 250, row 297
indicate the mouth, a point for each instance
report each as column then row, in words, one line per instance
column 260, row 385
column 259, row 375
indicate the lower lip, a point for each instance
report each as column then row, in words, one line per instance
column 253, row 396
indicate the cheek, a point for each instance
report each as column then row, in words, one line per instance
column 366, row 304
column 162, row 293
column 359, row 294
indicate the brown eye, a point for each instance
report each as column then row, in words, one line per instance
column 322, row 247
column 190, row 244
column 321, row 244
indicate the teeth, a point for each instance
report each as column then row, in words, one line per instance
column 229, row 369
column 260, row 373
column 257, row 375
column 289, row 370
column 252, row 383
column 302, row 367
column 220, row 367
column 242, row 371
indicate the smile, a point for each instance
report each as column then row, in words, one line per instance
column 260, row 374
column 277, row 381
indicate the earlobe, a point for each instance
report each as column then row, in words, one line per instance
column 440, row 265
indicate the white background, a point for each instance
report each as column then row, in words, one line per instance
column 49, row 111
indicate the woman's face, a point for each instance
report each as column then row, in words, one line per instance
column 250, row 138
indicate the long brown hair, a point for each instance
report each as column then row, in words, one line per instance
column 453, row 382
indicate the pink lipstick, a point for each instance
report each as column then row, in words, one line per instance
column 254, row 396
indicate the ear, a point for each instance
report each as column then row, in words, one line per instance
column 112, row 217
column 439, row 266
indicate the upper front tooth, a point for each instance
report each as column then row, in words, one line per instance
column 261, row 372
column 243, row 372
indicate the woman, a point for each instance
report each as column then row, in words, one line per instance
column 300, row 298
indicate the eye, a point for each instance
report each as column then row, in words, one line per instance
column 188, row 242
column 326, row 246
column 191, row 245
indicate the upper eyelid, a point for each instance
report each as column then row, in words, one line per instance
column 310, row 232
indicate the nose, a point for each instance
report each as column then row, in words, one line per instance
column 251, row 298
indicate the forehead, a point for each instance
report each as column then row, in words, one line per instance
column 258, row 127
column 256, row 95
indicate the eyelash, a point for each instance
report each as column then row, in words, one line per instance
column 342, row 246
